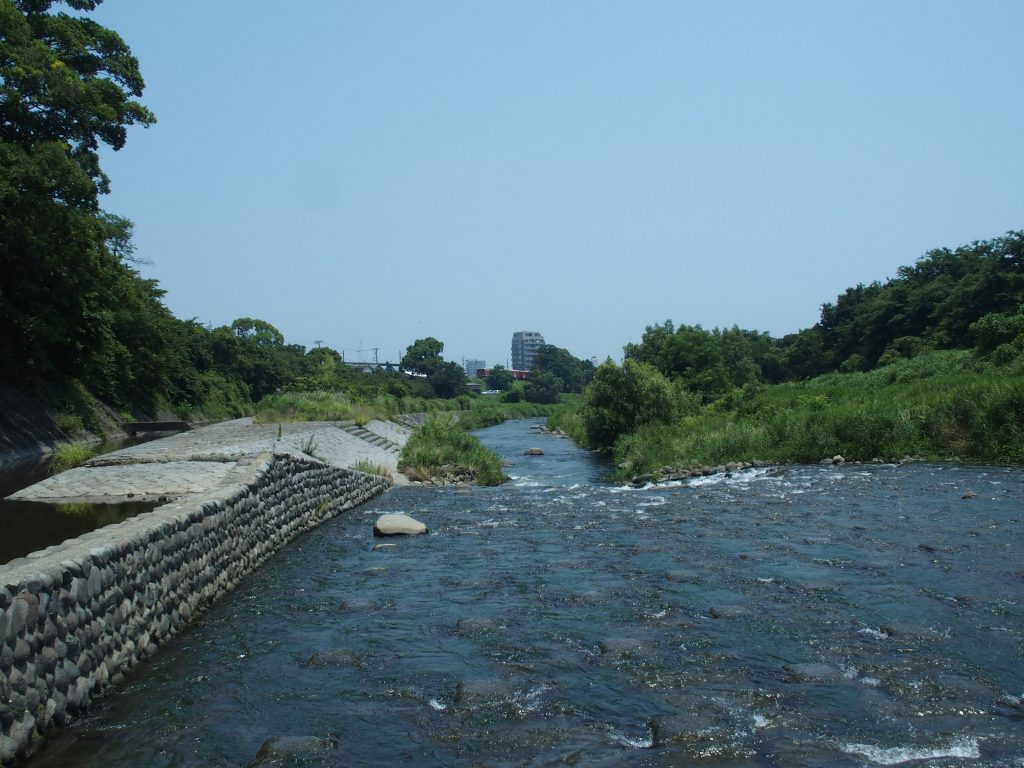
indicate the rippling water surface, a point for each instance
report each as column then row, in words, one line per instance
column 814, row 616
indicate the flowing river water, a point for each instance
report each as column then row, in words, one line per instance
column 803, row 616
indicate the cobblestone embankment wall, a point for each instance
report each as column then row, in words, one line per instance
column 75, row 618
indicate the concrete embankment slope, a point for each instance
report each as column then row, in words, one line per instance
column 76, row 616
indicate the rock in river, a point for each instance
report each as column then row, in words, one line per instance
column 292, row 749
column 533, row 452
column 398, row 525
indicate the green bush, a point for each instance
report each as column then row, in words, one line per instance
column 70, row 455
column 440, row 447
column 619, row 400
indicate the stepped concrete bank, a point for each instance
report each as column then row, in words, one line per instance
column 76, row 617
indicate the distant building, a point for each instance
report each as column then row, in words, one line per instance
column 483, row 373
column 472, row 366
column 524, row 346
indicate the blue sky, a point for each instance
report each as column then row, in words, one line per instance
column 370, row 173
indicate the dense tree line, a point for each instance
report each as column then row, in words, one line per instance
column 74, row 312
column 949, row 299
column 970, row 298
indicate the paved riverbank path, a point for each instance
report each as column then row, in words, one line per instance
column 210, row 457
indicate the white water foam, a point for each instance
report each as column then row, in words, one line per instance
column 437, row 706
column 529, row 701
column 657, row 501
column 898, row 755
column 878, row 635
column 497, row 524
column 635, row 742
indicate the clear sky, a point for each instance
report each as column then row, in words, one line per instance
column 369, row 173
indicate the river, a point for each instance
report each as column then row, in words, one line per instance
column 813, row 616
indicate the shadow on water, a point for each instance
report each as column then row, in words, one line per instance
column 30, row 526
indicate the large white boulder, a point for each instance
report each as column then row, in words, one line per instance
column 398, row 525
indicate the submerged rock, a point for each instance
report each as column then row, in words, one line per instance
column 620, row 646
column 398, row 525
column 482, row 690
column 811, row 672
column 728, row 611
column 290, row 748
column 337, row 657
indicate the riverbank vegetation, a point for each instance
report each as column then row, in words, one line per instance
column 70, row 455
column 81, row 331
column 441, row 448
column 930, row 363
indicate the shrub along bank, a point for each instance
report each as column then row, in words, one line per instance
column 441, row 448
column 938, row 405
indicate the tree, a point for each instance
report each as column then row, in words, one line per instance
column 447, row 380
column 66, row 85
column 574, row 373
column 423, row 356
column 621, row 399
column 259, row 332
column 689, row 355
column 500, row 377
column 542, row 387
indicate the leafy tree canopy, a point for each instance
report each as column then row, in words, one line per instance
column 260, row 332
column 621, row 399
column 447, row 380
column 67, row 85
column 574, row 373
column 500, row 377
column 423, row 356
column 688, row 354
column 542, row 387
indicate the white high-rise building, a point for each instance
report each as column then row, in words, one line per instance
column 524, row 346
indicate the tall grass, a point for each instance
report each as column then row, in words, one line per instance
column 369, row 468
column 323, row 405
column 68, row 455
column 938, row 405
column 441, row 447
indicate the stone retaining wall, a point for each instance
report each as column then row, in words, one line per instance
column 75, row 618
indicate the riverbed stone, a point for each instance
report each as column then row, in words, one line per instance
column 477, row 691
column 533, row 452
column 398, row 525
column 728, row 611
column 289, row 749
column 619, row 646
column 811, row 672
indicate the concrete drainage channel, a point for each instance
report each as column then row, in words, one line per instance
column 75, row 617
